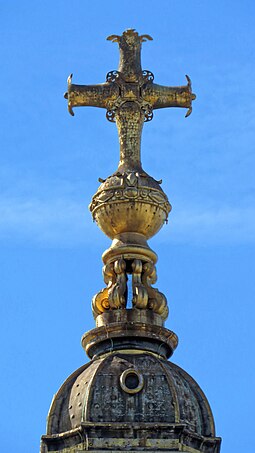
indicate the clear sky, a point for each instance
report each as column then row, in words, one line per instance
column 50, row 262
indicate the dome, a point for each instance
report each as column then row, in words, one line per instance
column 130, row 387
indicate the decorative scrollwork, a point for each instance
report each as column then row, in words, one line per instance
column 127, row 186
column 112, row 76
column 148, row 112
column 114, row 296
column 100, row 301
column 129, row 34
column 117, row 292
column 148, row 116
column 148, row 76
column 140, row 295
column 157, row 300
column 110, row 115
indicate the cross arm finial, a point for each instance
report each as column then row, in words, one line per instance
column 102, row 95
column 160, row 96
column 130, row 43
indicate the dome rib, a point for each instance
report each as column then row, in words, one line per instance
column 88, row 400
column 174, row 393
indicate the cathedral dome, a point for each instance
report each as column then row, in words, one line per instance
column 123, row 388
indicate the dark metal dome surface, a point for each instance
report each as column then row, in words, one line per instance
column 125, row 387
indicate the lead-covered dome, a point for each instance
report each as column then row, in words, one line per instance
column 130, row 388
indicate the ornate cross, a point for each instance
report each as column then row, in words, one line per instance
column 129, row 206
column 130, row 96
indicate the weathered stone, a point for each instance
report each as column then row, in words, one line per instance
column 169, row 410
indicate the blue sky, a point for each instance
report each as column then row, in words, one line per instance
column 50, row 259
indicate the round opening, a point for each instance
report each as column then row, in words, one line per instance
column 131, row 381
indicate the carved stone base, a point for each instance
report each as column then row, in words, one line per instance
column 149, row 437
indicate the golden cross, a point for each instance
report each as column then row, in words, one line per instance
column 130, row 96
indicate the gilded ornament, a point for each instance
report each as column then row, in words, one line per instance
column 130, row 206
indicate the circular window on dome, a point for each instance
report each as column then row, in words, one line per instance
column 131, row 381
